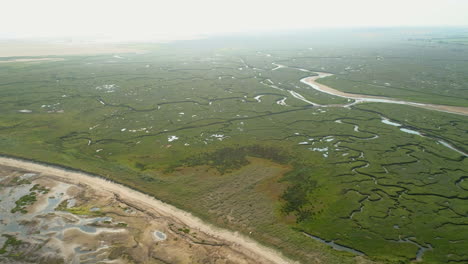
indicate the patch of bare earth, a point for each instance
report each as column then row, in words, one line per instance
column 125, row 224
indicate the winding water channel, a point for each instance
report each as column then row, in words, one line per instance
column 312, row 82
column 335, row 246
column 361, row 98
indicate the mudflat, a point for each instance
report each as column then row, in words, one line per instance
column 175, row 235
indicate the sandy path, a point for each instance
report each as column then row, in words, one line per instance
column 236, row 241
column 312, row 82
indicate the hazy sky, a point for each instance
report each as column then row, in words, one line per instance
column 135, row 19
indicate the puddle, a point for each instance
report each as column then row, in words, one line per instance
column 319, row 149
column 219, row 137
column 282, row 102
column 172, row 138
column 159, row 236
column 258, row 98
column 71, row 203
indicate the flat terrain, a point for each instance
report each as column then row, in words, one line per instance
column 31, row 60
column 45, row 48
column 224, row 128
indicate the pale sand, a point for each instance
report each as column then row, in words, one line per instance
column 32, row 60
column 238, row 242
column 312, row 82
column 23, row 48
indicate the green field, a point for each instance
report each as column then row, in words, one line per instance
column 204, row 125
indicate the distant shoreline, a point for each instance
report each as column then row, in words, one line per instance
column 34, row 49
column 32, row 60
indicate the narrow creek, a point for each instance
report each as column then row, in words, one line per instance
column 421, row 249
column 335, row 245
column 359, row 98
column 414, row 132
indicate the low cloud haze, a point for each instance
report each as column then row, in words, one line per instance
column 163, row 20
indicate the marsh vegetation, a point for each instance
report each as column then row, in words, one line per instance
column 198, row 124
